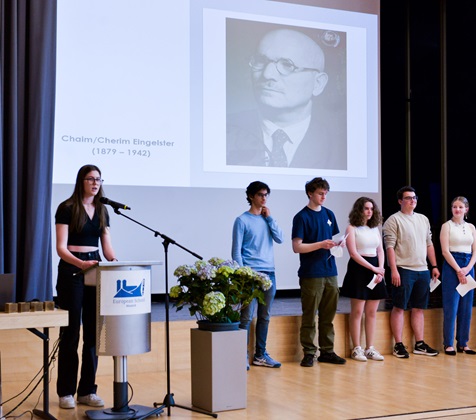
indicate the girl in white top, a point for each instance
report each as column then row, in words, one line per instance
column 364, row 243
column 458, row 246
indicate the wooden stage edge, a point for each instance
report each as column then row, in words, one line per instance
column 21, row 351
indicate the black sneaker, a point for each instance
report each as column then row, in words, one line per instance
column 399, row 350
column 425, row 349
column 326, row 357
column 308, row 360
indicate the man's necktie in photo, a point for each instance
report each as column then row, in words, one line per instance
column 277, row 155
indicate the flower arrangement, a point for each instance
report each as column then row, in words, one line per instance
column 217, row 290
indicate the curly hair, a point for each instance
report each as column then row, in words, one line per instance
column 254, row 187
column 356, row 215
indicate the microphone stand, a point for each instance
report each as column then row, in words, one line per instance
column 169, row 397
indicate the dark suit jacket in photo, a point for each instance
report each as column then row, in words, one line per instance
column 324, row 145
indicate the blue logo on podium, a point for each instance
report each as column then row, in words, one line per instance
column 127, row 291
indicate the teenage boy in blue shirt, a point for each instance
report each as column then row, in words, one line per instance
column 253, row 234
column 313, row 229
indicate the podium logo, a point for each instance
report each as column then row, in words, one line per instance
column 125, row 290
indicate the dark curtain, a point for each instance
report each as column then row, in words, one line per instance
column 27, row 94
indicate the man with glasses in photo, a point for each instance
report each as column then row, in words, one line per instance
column 407, row 238
column 286, row 129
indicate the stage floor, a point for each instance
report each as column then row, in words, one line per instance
column 282, row 306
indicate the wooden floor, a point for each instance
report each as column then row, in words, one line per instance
column 420, row 387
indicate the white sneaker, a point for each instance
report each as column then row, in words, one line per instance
column 373, row 354
column 92, row 400
column 358, row 354
column 67, row 402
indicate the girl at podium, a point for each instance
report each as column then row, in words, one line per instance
column 81, row 221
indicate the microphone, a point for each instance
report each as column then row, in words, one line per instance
column 114, row 204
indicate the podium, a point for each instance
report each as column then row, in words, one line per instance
column 123, row 290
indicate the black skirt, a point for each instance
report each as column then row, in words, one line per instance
column 357, row 278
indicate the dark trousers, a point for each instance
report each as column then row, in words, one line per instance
column 80, row 302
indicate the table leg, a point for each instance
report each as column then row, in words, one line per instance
column 44, row 414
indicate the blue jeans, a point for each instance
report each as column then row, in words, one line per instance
column 264, row 314
column 456, row 309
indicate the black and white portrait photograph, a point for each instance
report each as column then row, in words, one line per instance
column 286, row 96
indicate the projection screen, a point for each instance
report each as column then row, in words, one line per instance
column 153, row 91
